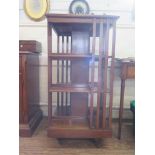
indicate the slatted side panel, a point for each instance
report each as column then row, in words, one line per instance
column 62, row 74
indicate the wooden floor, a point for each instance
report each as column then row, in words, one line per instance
column 40, row 144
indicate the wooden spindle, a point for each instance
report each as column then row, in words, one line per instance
column 99, row 74
column 92, row 73
column 49, row 34
column 62, row 75
column 58, row 80
column 105, row 74
column 70, row 51
column 112, row 74
column 67, row 48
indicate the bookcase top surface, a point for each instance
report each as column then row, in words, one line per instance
column 64, row 24
column 53, row 15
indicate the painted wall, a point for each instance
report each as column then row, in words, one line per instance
column 31, row 30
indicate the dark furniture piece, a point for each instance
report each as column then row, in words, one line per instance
column 127, row 72
column 80, row 90
column 29, row 112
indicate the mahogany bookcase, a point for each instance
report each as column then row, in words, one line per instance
column 80, row 75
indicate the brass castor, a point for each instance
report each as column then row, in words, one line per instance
column 98, row 142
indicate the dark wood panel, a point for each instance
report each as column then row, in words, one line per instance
column 32, row 78
column 30, row 113
column 128, row 70
column 72, row 133
column 29, row 45
column 80, row 45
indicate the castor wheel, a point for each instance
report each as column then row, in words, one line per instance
column 98, row 142
column 60, row 141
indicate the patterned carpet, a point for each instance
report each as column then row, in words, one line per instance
column 40, row 144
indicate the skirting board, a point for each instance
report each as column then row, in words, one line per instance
column 26, row 130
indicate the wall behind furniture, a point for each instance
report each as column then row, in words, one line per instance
column 31, row 30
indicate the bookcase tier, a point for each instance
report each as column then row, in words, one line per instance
column 70, row 56
column 81, row 88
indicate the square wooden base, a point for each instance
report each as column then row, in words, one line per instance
column 79, row 133
column 75, row 128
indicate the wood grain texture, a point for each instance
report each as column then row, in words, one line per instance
column 29, row 110
column 82, row 84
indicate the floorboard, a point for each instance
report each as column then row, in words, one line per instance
column 40, row 144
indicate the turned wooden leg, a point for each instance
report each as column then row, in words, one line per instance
column 121, row 108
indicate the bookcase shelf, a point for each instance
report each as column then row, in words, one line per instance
column 69, row 56
column 79, row 88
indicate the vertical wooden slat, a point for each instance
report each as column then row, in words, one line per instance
column 121, row 107
column 25, row 112
column 67, row 48
column 112, row 74
column 105, row 74
column 70, row 63
column 62, row 75
column 92, row 73
column 49, row 34
column 58, row 80
column 99, row 74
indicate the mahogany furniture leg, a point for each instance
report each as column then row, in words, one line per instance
column 127, row 72
column 121, row 108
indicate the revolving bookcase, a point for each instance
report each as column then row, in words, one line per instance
column 80, row 75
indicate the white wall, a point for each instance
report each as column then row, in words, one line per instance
column 29, row 29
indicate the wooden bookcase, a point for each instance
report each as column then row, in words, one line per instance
column 80, row 76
